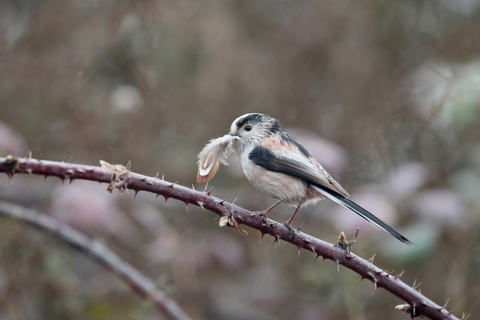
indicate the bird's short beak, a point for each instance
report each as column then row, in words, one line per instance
column 235, row 136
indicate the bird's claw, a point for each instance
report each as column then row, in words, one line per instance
column 288, row 224
column 262, row 214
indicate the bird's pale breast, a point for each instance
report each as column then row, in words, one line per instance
column 280, row 186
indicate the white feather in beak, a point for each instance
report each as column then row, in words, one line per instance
column 215, row 152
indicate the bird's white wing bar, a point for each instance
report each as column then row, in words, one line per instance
column 300, row 159
column 312, row 169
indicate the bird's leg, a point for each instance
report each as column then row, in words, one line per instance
column 288, row 223
column 266, row 211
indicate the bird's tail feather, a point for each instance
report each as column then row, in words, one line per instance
column 338, row 198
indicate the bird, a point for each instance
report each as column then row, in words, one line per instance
column 279, row 166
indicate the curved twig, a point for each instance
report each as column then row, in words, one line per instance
column 234, row 215
column 96, row 250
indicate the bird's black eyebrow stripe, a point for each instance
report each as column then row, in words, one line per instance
column 252, row 118
column 276, row 127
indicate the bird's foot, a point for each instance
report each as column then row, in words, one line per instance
column 288, row 224
column 263, row 214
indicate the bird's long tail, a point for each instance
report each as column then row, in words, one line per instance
column 338, row 198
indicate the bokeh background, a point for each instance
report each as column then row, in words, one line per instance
column 385, row 94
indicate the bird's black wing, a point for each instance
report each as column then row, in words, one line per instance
column 295, row 166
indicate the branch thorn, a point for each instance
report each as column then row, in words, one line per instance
column 360, row 280
column 209, row 192
column 415, row 285
column 275, row 242
column 261, row 238
column 444, row 306
column 376, row 286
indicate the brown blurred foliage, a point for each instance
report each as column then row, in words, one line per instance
column 392, row 87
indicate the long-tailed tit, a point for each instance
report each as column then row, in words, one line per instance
column 279, row 166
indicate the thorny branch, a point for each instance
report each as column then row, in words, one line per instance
column 233, row 215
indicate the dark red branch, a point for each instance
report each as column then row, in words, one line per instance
column 421, row 305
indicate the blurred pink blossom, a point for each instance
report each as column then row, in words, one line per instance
column 86, row 205
column 215, row 250
column 11, row 142
column 330, row 155
column 441, row 206
column 165, row 247
column 378, row 204
column 405, row 180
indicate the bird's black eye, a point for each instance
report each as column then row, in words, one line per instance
column 247, row 127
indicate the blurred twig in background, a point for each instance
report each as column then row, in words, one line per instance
column 97, row 251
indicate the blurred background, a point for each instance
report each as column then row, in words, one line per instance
column 385, row 94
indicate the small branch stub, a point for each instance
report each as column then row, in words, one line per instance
column 345, row 244
column 120, row 174
column 408, row 309
column 230, row 222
